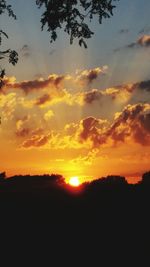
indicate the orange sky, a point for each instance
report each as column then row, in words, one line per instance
column 48, row 127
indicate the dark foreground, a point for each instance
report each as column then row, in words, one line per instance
column 105, row 223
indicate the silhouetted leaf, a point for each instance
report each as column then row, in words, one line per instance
column 13, row 57
column 81, row 41
column 71, row 16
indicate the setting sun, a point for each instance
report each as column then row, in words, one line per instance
column 74, row 181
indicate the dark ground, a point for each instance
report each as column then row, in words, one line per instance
column 105, row 223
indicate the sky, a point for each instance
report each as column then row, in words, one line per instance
column 74, row 111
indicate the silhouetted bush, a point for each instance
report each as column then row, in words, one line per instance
column 146, row 178
column 2, row 176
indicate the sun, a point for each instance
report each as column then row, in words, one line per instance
column 74, row 181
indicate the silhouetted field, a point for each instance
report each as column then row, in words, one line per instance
column 101, row 220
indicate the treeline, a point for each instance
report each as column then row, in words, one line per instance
column 46, row 182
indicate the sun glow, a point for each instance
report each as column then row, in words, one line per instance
column 74, row 181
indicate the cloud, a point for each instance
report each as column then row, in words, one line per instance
column 122, row 93
column 132, row 45
column 132, row 123
column 86, row 160
column 52, row 90
column 142, row 42
column 8, row 106
column 93, row 118
column 109, row 96
column 91, row 130
column 33, row 85
column 40, row 92
column 42, row 99
column 25, row 51
column 124, row 31
column 91, row 96
column 86, row 77
column 25, row 127
column 36, row 141
column 144, row 86
column 48, row 115
column 146, row 29
column 22, row 130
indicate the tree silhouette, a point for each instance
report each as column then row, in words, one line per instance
column 145, row 178
column 12, row 55
column 73, row 15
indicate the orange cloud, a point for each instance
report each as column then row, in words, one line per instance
column 84, row 128
column 134, row 123
column 28, row 86
column 86, row 160
column 36, row 141
column 23, row 132
column 130, row 125
column 144, row 40
column 48, row 115
column 109, row 96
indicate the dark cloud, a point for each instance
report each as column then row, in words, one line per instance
column 89, row 126
column 36, row 141
column 25, row 47
column 124, row 31
column 142, row 42
column 144, row 85
column 43, row 99
column 117, row 49
column 28, row 86
column 22, row 132
column 92, row 75
column 132, row 45
column 88, row 76
column 102, row 95
column 90, row 129
column 146, row 29
column 135, row 87
column 25, row 51
column 133, row 123
column 90, row 97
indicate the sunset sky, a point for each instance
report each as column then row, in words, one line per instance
column 74, row 111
